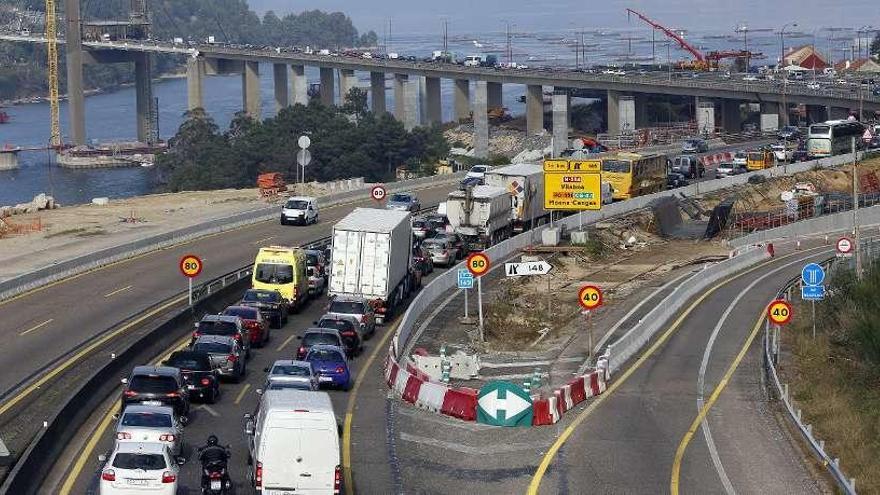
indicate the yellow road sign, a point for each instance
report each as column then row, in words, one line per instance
column 555, row 165
column 190, row 265
column 779, row 312
column 478, row 264
column 590, row 297
column 593, row 166
column 572, row 191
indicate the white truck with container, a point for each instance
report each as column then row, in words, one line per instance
column 480, row 214
column 371, row 252
column 525, row 183
column 293, row 444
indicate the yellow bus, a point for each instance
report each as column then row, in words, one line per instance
column 759, row 159
column 634, row 174
column 282, row 269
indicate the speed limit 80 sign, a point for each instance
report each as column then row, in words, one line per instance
column 190, row 265
column 478, row 264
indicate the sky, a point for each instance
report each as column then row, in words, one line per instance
column 469, row 16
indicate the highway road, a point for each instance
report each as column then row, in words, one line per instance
column 45, row 329
column 633, row 439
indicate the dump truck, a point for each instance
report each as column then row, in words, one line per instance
column 370, row 258
column 525, row 183
column 480, row 215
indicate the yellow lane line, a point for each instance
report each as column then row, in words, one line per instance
column 117, row 291
column 535, row 484
column 349, row 410
column 286, row 341
column 96, row 435
column 36, row 327
column 263, row 240
column 240, row 395
column 682, row 446
column 6, row 406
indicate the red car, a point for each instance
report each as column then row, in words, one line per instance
column 253, row 320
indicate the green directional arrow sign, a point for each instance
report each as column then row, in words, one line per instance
column 504, row 404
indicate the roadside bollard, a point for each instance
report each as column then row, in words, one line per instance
column 445, row 366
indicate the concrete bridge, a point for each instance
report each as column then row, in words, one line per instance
column 417, row 95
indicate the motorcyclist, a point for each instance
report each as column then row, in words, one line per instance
column 213, row 454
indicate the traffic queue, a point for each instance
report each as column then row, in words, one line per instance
column 294, row 413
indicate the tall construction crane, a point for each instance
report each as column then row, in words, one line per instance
column 701, row 61
column 52, row 54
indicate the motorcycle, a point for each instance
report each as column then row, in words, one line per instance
column 215, row 478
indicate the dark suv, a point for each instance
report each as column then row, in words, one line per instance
column 231, row 326
column 157, row 385
column 269, row 302
column 199, row 376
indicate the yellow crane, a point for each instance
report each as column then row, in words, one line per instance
column 52, row 54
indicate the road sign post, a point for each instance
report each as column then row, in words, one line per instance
column 813, row 290
column 465, row 283
column 190, row 266
column 478, row 264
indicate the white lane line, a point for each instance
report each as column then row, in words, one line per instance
column 210, row 410
column 4, row 452
column 467, row 449
column 117, row 291
column 36, row 327
column 263, row 240
column 701, row 380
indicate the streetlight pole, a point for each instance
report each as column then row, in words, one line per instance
column 782, row 42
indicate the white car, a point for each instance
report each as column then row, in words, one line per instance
column 750, row 78
column 140, row 468
column 814, row 85
column 478, row 172
column 159, row 424
column 302, row 210
column 782, row 153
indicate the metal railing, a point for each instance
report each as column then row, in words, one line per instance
column 771, row 360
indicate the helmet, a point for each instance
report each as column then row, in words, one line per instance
column 212, row 440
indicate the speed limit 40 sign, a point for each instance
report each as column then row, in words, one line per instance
column 590, row 297
column 779, row 312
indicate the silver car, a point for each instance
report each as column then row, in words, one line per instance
column 357, row 307
column 288, row 373
column 227, row 355
column 403, row 202
column 442, row 252
column 150, row 424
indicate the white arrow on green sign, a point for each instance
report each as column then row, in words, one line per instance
column 504, row 404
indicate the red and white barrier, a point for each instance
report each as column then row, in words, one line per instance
column 431, row 396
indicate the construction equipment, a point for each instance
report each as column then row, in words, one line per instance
column 52, row 55
column 701, row 61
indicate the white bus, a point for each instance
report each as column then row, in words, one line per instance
column 833, row 137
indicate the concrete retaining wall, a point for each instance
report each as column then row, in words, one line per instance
column 828, row 223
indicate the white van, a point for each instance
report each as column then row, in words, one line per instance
column 293, row 444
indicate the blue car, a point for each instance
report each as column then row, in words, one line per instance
column 331, row 365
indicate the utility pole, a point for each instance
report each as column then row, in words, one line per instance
column 445, row 36
column 855, row 198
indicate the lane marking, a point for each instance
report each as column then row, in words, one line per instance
column 263, row 240
column 99, row 432
column 210, row 410
column 240, row 395
column 682, row 446
column 535, row 484
column 117, row 291
column 286, row 341
column 36, row 327
column 382, row 345
column 704, row 364
column 9, row 404
column 506, row 447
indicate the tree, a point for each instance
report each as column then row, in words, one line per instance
column 875, row 46
column 355, row 103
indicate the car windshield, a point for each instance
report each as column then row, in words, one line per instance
column 479, row 169
column 725, row 165
column 341, row 325
column 616, row 166
column 296, row 204
column 153, row 384
column 218, row 327
column 315, row 338
column 147, row 462
column 190, row 361
column 243, row 313
column 271, row 273
column 740, row 154
column 434, row 244
column 347, row 307
column 290, row 370
column 324, row 355
column 289, row 386
column 401, row 198
column 418, row 224
column 213, row 347
column 312, row 259
column 820, row 129
column 147, row 420
column 261, row 296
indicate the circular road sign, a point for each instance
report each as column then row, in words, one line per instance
column 304, row 142
column 844, row 245
column 190, row 265
column 590, row 297
column 378, row 192
column 779, row 312
column 478, row 264
column 303, row 157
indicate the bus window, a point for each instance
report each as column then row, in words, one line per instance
column 616, row 166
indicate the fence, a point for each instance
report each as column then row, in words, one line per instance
column 70, row 267
column 771, row 359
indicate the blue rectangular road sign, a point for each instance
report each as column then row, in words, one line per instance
column 465, row 279
column 813, row 292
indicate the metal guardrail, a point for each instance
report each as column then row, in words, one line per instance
column 771, row 359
